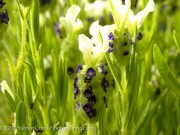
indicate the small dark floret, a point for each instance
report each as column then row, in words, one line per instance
column 76, row 91
column 4, row 17
column 43, row 2
column 87, row 93
column 126, row 53
column 79, row 67
column 110, row 36
column 103, row 71
column 111, row 44
column 90, row 73
column 139, row 36
column 57, row 29
column 75, row 81
column 91, row 113
column 104, row 83
column 110, row 50
column 70, row 70
column 90, row 19
column 125, row 43
column 2, row 3
column 87, row 107
column 92, row 100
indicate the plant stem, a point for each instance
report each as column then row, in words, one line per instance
column 91, row 129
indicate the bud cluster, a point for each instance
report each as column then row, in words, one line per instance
column 90, row 91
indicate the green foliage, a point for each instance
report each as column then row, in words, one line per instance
column 43, row 42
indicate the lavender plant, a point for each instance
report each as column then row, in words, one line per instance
column 89, row 67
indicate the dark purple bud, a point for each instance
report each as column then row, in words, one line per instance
column 57, row 29
column 92, row 100
column 87, row 80
column 4, row 17
column 103, row 71
column 70, row 70
column 111, row 17
column 77, row 105
column 76, row 91
column 90, row 73
column 87, row 107
column 104, row 83
column 75, row 82
column 110, row 50
column 87, row 93
column 43, row 2
column 90, row 19
column 101, row 19
column 110, row 36
column 139, row 36
column 125, row 43
column 126, row 53
column 91, row 113
column 2, row 3
column 111, row 44
column 79, row 67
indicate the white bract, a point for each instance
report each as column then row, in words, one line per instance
column 69, row 22
column 96, row 9
column 93, row 49
column 124, row 17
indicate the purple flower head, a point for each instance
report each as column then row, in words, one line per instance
column 76, row 91
column 2, row 3
column 4, row 17
column 90, row 73
column 110, row 36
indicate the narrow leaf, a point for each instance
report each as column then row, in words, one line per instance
column 165, row 72
column 176, row 39
column 142, row 119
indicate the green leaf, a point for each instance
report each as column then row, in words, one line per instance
column 11, row 101
column 133, row 87
column 165, row 72
column 115, row 70
column 176, row 39
column 148, row 113
column 142, row 119
column 178, row 131
column 22, row 119
column 35, row 21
